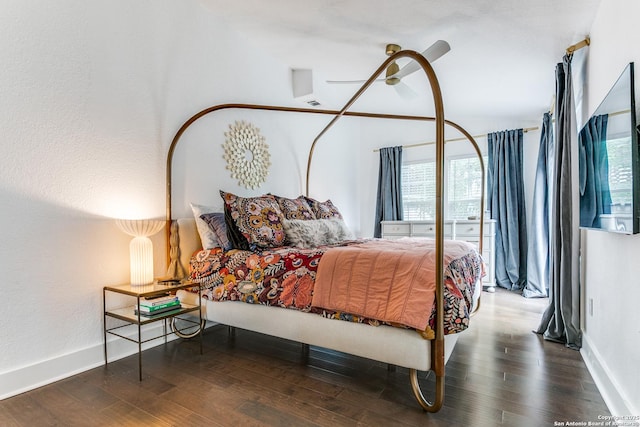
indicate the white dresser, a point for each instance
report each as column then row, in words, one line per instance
column 467, row 230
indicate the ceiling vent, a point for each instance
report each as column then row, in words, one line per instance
column 304, row 89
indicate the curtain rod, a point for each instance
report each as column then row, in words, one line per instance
column 421, row 144
column 584, row 43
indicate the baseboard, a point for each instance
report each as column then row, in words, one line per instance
column 611, row 392
column 51, row 370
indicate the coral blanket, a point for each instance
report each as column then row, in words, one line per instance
column 388, row 280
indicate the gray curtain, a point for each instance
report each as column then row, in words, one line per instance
column 561, row 320
column 538, row 254
column 595, row 195
column 389, row 200
column 505, row 191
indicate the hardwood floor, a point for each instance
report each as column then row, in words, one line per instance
column 500, row 373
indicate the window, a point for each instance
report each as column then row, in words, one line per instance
column 463, row 188
column 419, row 190
column 620, row 173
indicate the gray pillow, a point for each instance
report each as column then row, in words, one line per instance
column 208, row 237
column 316, row 232
column 218, row 225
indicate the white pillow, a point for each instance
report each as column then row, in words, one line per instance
column 207, row 236
column 316, row 232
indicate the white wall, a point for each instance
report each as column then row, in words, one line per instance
column 611, row 344
column 92, row 94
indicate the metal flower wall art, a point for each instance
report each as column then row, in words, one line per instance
column 247, row 154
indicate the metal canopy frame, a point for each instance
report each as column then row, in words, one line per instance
column 437, row 346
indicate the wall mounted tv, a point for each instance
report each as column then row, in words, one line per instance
column 608, row 162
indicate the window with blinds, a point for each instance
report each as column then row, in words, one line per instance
column 620, row 174
column 463, row 189
column 419, row 190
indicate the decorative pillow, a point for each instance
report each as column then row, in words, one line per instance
column 259, row 219
column 323, row 210
column 238, row 241
column 208, row 237
column 295, row 208
column 317, row 232
column 217, row 223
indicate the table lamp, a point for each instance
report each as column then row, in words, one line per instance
column 141, row 248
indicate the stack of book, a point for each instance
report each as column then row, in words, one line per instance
column 158, row 304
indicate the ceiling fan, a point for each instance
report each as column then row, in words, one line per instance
column 394, row 73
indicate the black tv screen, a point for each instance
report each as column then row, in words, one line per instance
column 608, row 162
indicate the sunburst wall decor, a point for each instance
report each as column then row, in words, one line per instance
column 247, row 154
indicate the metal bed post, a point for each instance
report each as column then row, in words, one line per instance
column 437, row 347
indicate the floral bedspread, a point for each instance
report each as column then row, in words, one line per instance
column 285, row 277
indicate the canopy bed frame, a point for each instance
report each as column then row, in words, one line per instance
column 435, row 351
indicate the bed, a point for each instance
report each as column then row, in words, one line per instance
column 269, row 291
column 225, row 273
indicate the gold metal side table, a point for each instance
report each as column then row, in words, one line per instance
column 130, row 316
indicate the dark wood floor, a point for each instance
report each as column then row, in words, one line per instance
column 500, row 373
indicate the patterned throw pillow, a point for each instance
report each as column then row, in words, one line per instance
column 295, row 208
column 323, row 210
column 238, row 241
column 259, row 219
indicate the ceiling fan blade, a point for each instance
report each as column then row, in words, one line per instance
column 405, row 91
column 436, row 50
column 432, row 53
column 350, row 82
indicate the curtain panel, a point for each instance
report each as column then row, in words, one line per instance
column 505, row 191
column 561, row 319
column 538, row 253
column 389, row 199
column 595, row 194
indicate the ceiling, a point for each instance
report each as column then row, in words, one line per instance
column 500, row 69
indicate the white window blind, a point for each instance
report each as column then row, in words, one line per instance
column 620, row 173
column 463, row 188
column 418, row 190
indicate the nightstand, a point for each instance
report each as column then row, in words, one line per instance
column 130, row 316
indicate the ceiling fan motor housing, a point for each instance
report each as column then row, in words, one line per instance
column 393, row 68
column 392, row 48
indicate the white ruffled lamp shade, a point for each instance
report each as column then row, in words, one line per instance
column 141, row 248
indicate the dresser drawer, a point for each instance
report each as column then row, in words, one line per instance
column 429, row 229
column 397, row 229
column 472, row 229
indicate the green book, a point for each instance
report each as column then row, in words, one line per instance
column 145, row 309
column 156, row 301
column 157, row 312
